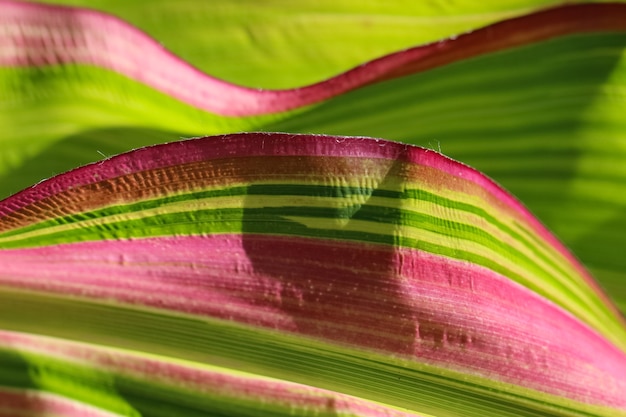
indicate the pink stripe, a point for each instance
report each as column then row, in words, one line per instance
column 14, row 403
column 404, row 302
column 277, row 144
column 263, row 392
column 50, row 35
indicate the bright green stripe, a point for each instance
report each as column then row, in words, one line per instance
column 538, row 247
column 367, row 375
column 257, row 189
column 273, row 220
column 364, row 212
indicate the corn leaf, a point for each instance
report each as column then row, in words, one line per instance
column 275, row 274
column 358, row 266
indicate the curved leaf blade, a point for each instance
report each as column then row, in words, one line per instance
column 51, row 36
column 210, row 233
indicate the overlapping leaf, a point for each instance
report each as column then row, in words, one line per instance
column 360, row 266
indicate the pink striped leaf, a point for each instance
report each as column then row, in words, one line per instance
column 532, row 101
column 295, row 274
column 280, row 275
